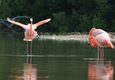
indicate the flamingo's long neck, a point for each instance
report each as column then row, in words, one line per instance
column 30, row 31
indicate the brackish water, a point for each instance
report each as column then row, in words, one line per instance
column 54, row 60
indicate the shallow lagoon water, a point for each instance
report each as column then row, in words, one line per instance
column 53, row 59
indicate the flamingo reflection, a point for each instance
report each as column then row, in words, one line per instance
column 97, row 70
column 29, row 73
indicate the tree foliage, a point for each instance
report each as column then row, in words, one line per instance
column 67, row 15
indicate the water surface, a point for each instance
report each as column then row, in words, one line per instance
column 54, row 60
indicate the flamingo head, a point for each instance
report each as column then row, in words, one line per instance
column 92, row 41
column 31, row 19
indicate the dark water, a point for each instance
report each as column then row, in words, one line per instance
column 54, row 60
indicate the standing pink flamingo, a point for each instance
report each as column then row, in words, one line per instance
column 30, row 32
column 101, row 39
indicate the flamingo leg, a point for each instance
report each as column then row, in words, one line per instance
column 29, row 52
column 102, row 53
column 98, row 52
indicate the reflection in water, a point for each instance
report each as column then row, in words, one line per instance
column 54, row 60
column 100, row 70
column 29, row 73
column 29, row 70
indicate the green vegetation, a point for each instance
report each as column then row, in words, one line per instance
column 67, row 15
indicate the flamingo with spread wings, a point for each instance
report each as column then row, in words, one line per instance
column 30, row 32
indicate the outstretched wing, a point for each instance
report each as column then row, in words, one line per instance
column 19, row 18
column 41, row 23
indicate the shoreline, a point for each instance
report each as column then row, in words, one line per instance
column 74, row 37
